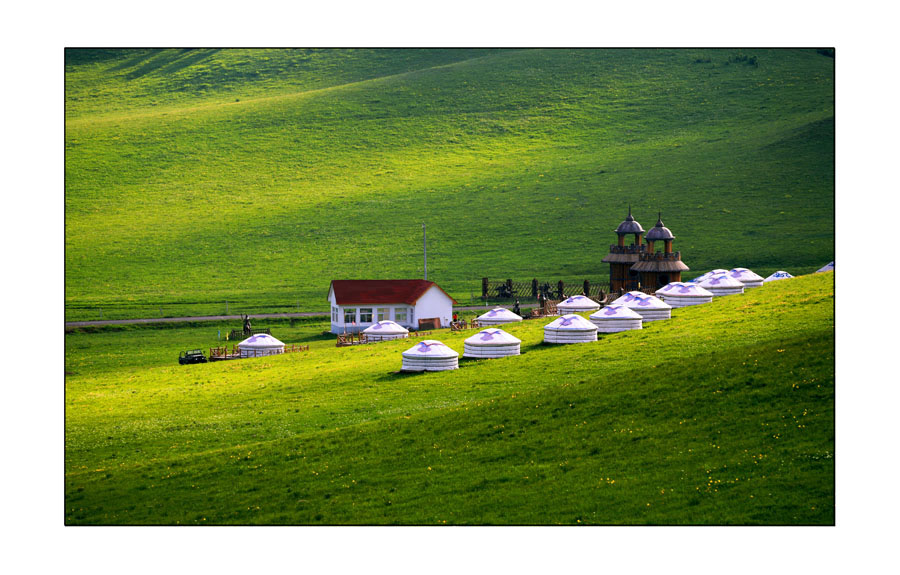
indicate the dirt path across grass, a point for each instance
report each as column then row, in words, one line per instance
column 71, row 324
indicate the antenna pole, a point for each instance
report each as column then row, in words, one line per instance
column 425, row 249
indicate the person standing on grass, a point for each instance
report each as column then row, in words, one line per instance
column 516, row 308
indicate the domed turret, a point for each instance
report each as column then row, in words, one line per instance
column 622, row 257
column 659, row 232
column 658, row 269
column 629, row 226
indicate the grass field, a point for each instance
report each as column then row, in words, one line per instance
column 196, row 177
column 722, row 415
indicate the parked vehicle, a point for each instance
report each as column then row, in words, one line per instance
column 192, row 356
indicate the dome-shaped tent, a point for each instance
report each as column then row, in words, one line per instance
column 385, row 330
column 650, row 307
column 577, row 304
column 430, row 355
column 498, row 316
column 779, row 275
column 746, row 277
column 259, row 345
column 616, row 318
column 829, row 267
column 491, row 343
column 709, row 274
column 722, row 284
column 681, row 294
column 570, row 329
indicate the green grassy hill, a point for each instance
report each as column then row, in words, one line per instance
column 195, row 177
column 722, row 415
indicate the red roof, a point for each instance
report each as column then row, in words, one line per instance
column 355, row 292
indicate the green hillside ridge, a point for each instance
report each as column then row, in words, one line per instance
column 197, row 177
column 722, row 415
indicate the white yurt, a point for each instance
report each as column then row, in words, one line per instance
column 650, row 307
column 681, row 294
column 577, row 304
column 826, row 268
column 779, row 275
column 498, row 316
column 259, row 345
column 707, row 275
column 491, row 343
column 570, row 329
column 746, row 277
column 385, row 330
column 616, row 318
column 722, row 284
column 430, row 355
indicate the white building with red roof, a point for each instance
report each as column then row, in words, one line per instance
column 357, row 304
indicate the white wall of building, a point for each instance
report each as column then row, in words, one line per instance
column 434, row 303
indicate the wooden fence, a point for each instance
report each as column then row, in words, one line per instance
column 559, row 290
column 220, row 353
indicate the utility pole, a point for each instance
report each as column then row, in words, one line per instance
column 425, row 249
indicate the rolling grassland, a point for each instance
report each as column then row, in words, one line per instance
column 722, row 415
column 196, row 177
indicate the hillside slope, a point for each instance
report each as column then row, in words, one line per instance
column 724, row 414
column 257, row 176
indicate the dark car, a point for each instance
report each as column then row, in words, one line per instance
column 192, row 356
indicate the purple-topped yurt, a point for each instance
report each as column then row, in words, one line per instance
column 491, row 343
column 779, row 275
column 616, row 318
column 498, row 316
column 683, row 294
column 259, row 345
column 650, row 307
column 722, row 284
column 709, row 274
column 577, row 304
column 570, row 329
column 385, row 330
column 746, row 277
column 430, row 355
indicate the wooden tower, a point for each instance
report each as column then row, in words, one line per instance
column 657, row 269
column 621, row 258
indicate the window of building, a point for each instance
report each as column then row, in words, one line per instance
column 349, row 315
column 365, row 315
column 334, row 314
column 400, row 315
column 381, row 314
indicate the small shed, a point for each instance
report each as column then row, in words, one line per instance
column 430, row 355
column 779, row 275
column 491, row 343
column 385, row 330
column 577, row 304
column 683, row 294
column 259, row 345
column 570, row 329
column 746, row 277
column 650, row 307
column 498, row 316
column 616, row 318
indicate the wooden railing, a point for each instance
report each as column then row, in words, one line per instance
column 235, row 353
